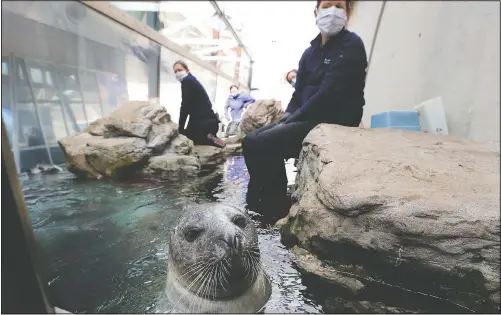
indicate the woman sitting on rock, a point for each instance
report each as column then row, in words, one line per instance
column 203, row 123
column 234, row 107
column 329, row 89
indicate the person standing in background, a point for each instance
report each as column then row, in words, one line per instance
column 291, row 77
column 234, row 107
column 203, row 123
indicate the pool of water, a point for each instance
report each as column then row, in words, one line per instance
column 104, row 245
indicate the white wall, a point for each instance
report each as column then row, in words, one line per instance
column 435, row 48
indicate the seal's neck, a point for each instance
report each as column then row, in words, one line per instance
column 251, row 300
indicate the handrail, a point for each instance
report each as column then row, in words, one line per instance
column 130, row 22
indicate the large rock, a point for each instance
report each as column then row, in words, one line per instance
column 180, row 145
column 161, row 135
column 393, row 220
column 209, row 156
column 259, row 114
column 98, row 157
column 173, row 166
column 111, row 127
column 139, row 135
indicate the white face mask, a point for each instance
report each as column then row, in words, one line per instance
column 234, row 93
column 180, row 75
column 331, row 21
column 293, row 82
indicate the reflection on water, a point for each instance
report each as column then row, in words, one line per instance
column 105, row 244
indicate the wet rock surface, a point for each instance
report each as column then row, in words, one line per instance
column 394, row 221
column 137, row 139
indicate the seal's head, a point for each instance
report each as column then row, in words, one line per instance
column 214, row 251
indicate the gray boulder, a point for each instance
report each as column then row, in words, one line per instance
column 173, row 166
column 161, row 135
column 180, row 145
column 398, row 221
column 209, row 156
column 138, row 136
column 259, row 114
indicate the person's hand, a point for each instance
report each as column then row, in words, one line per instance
column 284, row 118
column 293, row 117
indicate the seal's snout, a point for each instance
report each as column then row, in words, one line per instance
column 234, row 242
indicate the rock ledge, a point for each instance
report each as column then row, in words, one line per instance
column 402, row 221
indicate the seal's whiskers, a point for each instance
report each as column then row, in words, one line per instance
column 203, row 275
column 205, row 266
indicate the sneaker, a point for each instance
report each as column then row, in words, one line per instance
column 216, row 141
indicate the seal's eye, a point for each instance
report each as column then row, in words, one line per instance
column 192, row 234
column 240, row 221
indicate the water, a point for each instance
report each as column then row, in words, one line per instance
column 104, row 245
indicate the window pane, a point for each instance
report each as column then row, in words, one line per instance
column 52, row 119
column 113, row 91
column 36, row 75
column 93, row 111
column 31, row 157
column 57, row 155
column 29, row 131
column 23, row 94
column 20, row 72
column 90, row 91
column 5, row 68
column 72, row 97
column 7, row 109
column 45, row 94
column 48, row 78
column 79, row 112
column 88, row 84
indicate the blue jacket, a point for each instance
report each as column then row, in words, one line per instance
column 330, row 81
column 236, row 104
column 195, row 102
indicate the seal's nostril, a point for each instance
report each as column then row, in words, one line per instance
column 234, row 242
column 238, row 242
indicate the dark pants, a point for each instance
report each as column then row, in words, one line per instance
column 265, row 150
column 198, row 130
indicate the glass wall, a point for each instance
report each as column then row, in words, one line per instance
column 63, row 66
column 196, row 26
column 138, row 9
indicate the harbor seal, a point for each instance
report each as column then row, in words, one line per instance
column 214, row 262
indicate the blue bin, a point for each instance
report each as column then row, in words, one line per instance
column 399, row 119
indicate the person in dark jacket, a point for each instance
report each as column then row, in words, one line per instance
column 234, row 108
column 329, row 89
column 291, row 77
column 203, row 122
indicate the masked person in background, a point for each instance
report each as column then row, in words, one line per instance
column 291, row 77
column 234, row 108
column 203, row 123
column 329, row 89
